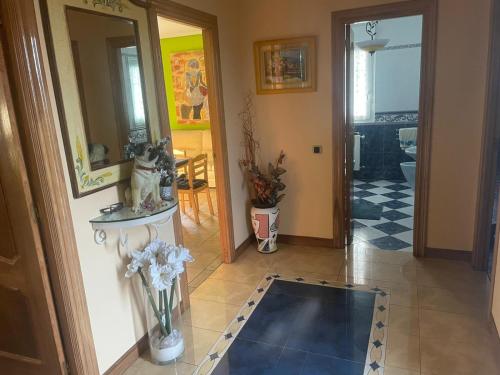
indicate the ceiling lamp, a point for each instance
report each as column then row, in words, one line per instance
column 372, row 44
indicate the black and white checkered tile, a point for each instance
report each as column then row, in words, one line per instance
column 394, row 230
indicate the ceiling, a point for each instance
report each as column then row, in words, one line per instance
column 173, row 29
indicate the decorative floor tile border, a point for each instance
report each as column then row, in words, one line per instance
column 375, row 355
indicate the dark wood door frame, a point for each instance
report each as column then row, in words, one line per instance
column 491, row 138
column 37, row 128
column 428, row 9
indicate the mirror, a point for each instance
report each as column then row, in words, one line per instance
column 108, row 68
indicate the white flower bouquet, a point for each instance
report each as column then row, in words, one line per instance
column 159, row 266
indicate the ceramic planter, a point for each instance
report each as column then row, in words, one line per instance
column 265, row 223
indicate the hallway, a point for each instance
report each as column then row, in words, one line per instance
column 435, row 318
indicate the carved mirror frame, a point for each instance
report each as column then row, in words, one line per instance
column 84, row 180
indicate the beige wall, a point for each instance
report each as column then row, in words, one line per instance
column 458, row 121
column 114, row 303
column 295, row 122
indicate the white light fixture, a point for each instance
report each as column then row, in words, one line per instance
column 372, row 45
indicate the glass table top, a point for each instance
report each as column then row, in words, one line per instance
column 126, row 214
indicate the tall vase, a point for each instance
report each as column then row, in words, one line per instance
column 166, row 192
column 265, row 222
column 164, row 323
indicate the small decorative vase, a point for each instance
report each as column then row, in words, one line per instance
column 265, row 223
column 166, row 192
column 166, row 341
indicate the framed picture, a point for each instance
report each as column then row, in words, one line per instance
column 190, row 87
column 285, row 65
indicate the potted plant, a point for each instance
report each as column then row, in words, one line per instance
column 166, row 167
column 159, row 266
column 265, row 188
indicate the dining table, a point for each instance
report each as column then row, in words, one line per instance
column 181, row 162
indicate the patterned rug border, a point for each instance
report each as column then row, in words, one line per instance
column 375, row 355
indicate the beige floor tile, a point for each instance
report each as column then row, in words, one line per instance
column 291, row 263
column 403, row 351
column 452, row 300
column 380, row 271
column 404, row 296
column 223, row 291
column 203, row 258
column 193, row 271
column 198, row 342
column 454, row 278
column 145, row 367
column 387, row 285
column 252, row 257
column 454, row 327
column 215, row 263
column 362, row 253
column 209, row 315
column 399, row 371
column 445, row 357
column 202, row 276
column 240, row 272
column 403, row 320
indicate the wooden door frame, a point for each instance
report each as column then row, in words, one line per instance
column 208, row 23
column 428, row 9
column 491, row 134
column 37, row 128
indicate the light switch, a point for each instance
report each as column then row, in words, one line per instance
column 317, row 149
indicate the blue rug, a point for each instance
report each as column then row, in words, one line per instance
column 293, row 327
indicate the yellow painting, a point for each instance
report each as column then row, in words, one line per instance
column 190, row 88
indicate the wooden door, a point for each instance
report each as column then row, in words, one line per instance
column 349, row 135
column 29, row 336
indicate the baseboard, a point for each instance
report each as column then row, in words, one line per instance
column 248, row 241
column 305, row 241
column 128, row 359
column 462, row 255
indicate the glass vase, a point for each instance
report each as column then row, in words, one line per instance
column 164, row 323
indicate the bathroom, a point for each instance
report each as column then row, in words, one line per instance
column 386, row 86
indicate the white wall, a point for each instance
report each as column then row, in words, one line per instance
column 397, row 71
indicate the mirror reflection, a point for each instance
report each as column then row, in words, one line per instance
column 110, row 83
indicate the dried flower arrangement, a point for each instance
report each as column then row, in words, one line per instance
column 265, row 188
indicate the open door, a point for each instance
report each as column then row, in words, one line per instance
column 30, row 342
column 349, row 134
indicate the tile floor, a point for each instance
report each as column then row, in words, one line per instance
column 437, row 323
column 394, row 230
column 202, row 240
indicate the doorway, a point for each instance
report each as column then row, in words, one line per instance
column 375, row 161
column 190, row 97
column 385, row 82
column 183, row 58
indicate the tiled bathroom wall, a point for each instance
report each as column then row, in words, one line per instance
column 381, row 153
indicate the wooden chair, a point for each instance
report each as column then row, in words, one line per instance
column 193, row 185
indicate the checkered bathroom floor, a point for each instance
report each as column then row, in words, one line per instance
column 394, row 230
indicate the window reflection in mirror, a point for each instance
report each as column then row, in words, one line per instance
column 108, row 69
